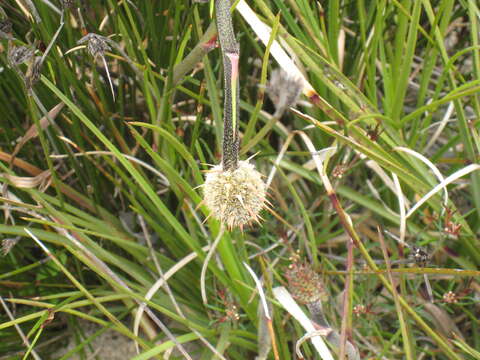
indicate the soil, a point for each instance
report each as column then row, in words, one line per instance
column 110, row 345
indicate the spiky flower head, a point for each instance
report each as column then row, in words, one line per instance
column 304, row 283
column 19, row 54
column 96, row 44
column 26, row 54
column 235, row 197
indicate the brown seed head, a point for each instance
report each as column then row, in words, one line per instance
column 450, row 297
column 304, row 283
column 8, row 244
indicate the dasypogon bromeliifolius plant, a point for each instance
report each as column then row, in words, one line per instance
column 233, row 191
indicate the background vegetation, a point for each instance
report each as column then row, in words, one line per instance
column 108, row 186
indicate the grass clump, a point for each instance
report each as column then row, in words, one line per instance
column 367, row 138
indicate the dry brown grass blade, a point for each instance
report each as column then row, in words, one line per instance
column 35, row 171
column 29, row 168
column 33, row 130
column 41, row 180
column 444, row 324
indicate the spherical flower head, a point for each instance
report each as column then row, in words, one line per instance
column 235, row 197
column 304, row 283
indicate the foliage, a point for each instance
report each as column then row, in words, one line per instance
column 105, row 140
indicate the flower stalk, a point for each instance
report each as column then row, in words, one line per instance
column 231, row 54
column 234, row 190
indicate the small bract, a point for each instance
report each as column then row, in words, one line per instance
column 235, row 197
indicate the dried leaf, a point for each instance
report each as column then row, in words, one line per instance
column 32, row 10
column 443, row 322
column 33, row 130
column 27, row 182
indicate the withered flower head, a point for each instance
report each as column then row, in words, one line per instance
column 19, row 54
column 420, row 256
column 96, row 44
column 8, row 244
column 68, row 3
column 5, row 29
column 235, row 197
column 304, row 283
column 284, row 89
column 450, row 297
column 33, row 72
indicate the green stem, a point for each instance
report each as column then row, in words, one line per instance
column 204, row 46
column 231, row 55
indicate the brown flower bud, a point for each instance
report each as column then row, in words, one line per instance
column 305, row 284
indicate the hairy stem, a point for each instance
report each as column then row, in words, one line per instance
column 231, row 55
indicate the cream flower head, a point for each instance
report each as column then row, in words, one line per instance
column 235, row 197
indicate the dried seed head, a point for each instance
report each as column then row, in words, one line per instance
column 19, row 54
column 420, row 256
column 22, row 54
column 359, row 310
column 284, row 89
column 68, row 3
column 450, row 297
column 96, row 44
column 33, row 72
column 8, row 244
column 339, row 170
column 235, row 197
column 5, row 29
column 304, row 283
